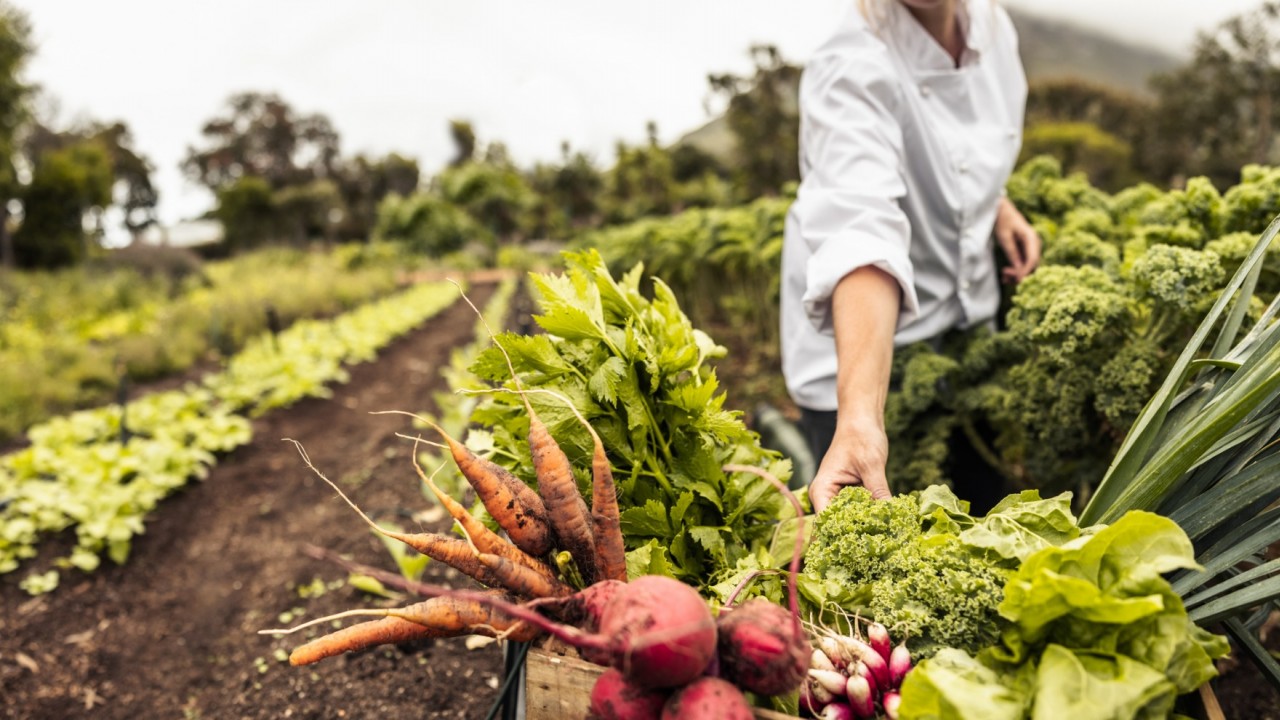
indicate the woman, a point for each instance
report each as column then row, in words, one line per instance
column 911, row 121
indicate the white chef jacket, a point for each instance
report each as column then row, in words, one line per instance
column 903, row 160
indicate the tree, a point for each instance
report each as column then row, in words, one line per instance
column 246, row 213
column 496, row 195
column 1069, row 102
column 363, row 182
column 464, row 142
column 15, row 48
column 1218, row 112
column 763, row 114
column 642, row 182
column 131, row 187
column 66, row 184
column 262, row 136
column 1082, row 147
column 133, row 190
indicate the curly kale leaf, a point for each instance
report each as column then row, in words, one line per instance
column 1199, row 206
column 1177, row 278
column 856, row 537
column 1066, row 311
column 920, row 564
column 1080, row 248
column 932, row 589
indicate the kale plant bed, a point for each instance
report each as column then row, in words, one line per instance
column 172, row 633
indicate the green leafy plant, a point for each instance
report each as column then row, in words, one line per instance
column 640, row 372
column 1203, row 451
column 1094, row 630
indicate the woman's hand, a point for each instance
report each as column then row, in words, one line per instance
column 1019, row 241
column 857, row 457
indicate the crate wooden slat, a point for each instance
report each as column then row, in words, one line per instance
column 558, row 687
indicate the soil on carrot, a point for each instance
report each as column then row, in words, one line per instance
column 172, row 633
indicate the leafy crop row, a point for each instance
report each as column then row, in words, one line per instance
column 82, row 472
column 66, row 337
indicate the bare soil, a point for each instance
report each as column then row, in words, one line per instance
column 172, row 633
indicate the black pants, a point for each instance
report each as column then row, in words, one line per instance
column 974, row 479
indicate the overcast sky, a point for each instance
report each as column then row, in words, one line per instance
column 390, row 73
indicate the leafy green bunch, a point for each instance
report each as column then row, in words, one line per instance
column 920, row 564
column 1093, row 630
column 642, row 375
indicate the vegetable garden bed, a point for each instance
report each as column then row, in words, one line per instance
column 170, row 634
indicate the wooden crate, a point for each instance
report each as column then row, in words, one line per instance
column 558, row 687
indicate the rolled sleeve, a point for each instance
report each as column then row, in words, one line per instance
column 847, row 210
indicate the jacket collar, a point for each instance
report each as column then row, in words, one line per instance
column 922, row 52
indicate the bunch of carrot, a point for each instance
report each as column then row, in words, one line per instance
column 657, row 634
column 516, row 568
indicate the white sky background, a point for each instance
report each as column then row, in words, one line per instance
column 391, row 73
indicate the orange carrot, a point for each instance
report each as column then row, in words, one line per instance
column 522, row 581
column 515, row 506
column 566, row 510
column 606, row 525
column 485, row 540
column 611, row 552
column 565, row 507
column 438, row 617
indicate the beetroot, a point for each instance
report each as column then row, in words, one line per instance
column 613, row 698
column 707, row 699
column 764, row 648
column 760, row 650
column 660, row 632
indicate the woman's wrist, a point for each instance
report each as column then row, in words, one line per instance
column 861, row 420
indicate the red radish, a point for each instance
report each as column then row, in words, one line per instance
column 891, row 701
column 860, row 699
column 834, row 651
column 818, row 693
column 836, row 711
column 808, row 702
column 860, row 668
column 613, row 698
column 762, row 647
column 878, row 639
column 708, row 698
column 832, row 682
column 855, row 649
column 819, row 661
column 899, row 664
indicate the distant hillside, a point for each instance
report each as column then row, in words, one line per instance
column 1050, row 49
column 1054, row 48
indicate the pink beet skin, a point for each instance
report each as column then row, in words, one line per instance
column 761, row 649
column 613, row 698
column 661, row 632
column 707, row 699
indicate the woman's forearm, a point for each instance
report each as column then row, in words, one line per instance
column 864, row 310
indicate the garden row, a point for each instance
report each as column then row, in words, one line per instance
column 68, row 339
column 100, row 472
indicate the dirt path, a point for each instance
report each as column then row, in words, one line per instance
column 172, row 633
